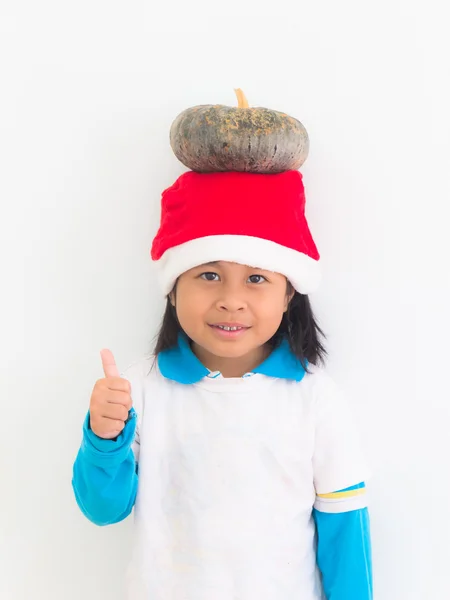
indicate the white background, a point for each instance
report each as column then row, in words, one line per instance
column 89, row 90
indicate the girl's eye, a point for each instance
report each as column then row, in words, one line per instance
column 252, row 278
column 209, row 276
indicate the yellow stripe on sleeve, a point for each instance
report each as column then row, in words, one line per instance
column 349, row 494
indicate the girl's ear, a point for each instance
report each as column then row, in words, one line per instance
column 290, row 293
column 286, row 304
column 172, row 294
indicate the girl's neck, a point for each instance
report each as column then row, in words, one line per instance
column 231, row 367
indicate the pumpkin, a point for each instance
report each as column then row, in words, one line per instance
column 209, row 138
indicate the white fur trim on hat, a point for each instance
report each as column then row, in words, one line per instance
column 301, row 270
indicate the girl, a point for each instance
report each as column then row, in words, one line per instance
column 239, row 453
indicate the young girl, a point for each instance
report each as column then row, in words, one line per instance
column 239, row 453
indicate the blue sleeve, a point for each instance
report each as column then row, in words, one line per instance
column 105, row 474
column 344, row 554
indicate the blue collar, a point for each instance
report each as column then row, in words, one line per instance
column 180, row 363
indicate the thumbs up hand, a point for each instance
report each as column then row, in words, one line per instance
column 110, row 400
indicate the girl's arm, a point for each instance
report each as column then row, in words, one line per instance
column 344, row 553
column 342, row 520
column 105, row 474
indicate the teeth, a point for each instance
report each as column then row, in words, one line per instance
column 228, row 328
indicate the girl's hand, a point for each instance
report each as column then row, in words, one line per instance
column 110, row 400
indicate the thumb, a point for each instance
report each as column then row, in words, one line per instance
column 109, row 364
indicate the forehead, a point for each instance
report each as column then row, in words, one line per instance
column 228, row 265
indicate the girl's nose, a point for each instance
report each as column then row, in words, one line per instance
column 231, row 302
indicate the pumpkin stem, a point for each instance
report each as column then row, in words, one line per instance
column 242, row 100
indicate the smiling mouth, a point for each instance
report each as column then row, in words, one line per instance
column 229, row 331
column 229, row 326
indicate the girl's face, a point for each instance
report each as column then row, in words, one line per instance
column 214, row 297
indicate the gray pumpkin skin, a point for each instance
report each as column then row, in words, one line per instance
column 210, row 138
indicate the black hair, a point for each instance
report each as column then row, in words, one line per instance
column 299, row 326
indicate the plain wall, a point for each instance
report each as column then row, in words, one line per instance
column 90, row 89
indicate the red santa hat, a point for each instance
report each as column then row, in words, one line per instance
column 249, row 218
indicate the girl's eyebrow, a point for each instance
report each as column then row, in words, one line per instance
column 204, row 265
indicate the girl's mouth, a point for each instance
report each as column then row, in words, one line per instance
column 229, row 331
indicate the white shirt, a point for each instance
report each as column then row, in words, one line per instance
column 229, row 472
